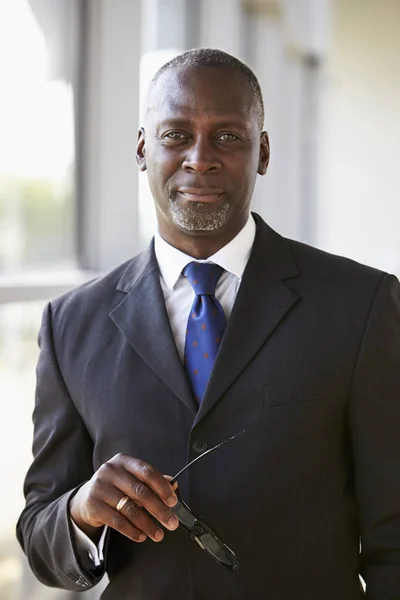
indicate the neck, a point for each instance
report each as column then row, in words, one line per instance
column 200, row 244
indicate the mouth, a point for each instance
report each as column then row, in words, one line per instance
column 206, row 195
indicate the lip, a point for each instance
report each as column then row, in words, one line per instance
column 204, row 195
column 201, row 191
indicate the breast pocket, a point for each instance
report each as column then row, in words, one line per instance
column 297, row 392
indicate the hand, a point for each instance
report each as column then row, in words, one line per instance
column 94, row 505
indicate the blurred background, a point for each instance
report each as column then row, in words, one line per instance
column 72, row 204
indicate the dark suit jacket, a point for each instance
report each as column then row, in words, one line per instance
column 309, row 364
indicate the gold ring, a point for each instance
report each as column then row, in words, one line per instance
column 122, row 503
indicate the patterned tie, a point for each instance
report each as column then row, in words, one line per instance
column 205, row 327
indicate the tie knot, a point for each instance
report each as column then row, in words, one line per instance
column 203, row 277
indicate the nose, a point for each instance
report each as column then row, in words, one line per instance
column 201, row 157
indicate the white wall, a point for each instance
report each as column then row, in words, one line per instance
column 359, row 189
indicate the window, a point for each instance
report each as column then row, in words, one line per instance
column 37, row 140
column 38, row 77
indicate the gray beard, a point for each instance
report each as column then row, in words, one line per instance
column 190, row 219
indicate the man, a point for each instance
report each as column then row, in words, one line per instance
column 141, row 370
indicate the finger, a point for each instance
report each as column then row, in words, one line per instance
column 142, row 521
column 168, row 478
column 110, row 495
column 114, row 483
column 127, row 474
column 151, row 477
column 106, row 515
column 143, row 496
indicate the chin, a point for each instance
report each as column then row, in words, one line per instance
column 195, row 218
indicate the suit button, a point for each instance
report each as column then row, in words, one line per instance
column 199, row 446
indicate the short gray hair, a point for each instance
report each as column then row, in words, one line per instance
column 212, row 57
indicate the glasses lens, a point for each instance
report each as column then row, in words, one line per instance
column 184, row 515
column 215, row 548
column 201, row 533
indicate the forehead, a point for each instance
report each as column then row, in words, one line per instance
column 195, row 92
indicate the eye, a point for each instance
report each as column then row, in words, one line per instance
column 174, row 135
column 228, row 137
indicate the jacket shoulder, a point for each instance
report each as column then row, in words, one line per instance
column 102, row 293
column 332, row 267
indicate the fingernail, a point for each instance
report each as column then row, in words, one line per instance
column 159, row 534
column 172, row 500
column 173, row 522
column 142, row 537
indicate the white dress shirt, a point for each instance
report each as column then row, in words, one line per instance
column 179, row 296
column 178, row 292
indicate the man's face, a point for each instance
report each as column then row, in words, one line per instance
column 202, row 148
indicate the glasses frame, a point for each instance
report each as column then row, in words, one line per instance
column 197, row 529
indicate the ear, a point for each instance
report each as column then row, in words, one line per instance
column 264, row 154
column 140, row 150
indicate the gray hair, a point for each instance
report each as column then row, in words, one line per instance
column 211, row 57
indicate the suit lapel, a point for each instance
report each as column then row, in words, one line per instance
column 262, row 302
column 142, row 318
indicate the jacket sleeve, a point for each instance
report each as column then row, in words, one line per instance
column 62, row 451
column 375, row 431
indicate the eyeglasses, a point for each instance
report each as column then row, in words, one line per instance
column 198, row 530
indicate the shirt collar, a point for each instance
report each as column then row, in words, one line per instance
column 233, row 257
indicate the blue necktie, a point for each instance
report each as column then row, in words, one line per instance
column 205, row 326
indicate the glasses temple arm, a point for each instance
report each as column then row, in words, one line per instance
column 173, row 480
